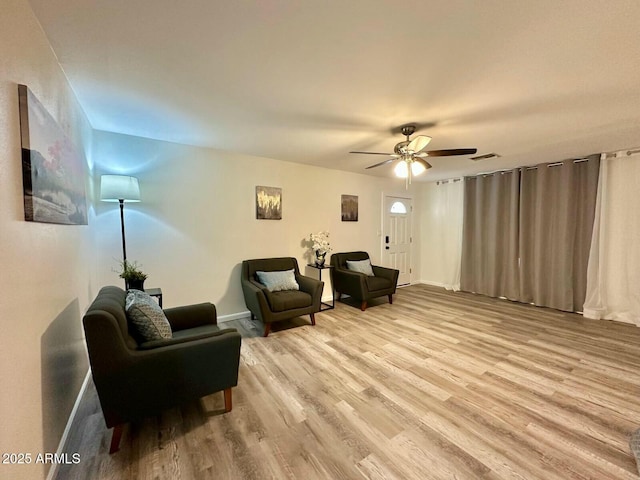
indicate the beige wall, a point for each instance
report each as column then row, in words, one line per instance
column 196, row 222
column 45, row 282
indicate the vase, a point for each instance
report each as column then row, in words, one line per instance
column 320, row 258
column 135, row 285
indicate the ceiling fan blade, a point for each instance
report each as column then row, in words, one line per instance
column 381, row 163
column 449, row 152
column 375, row 153
column 418, row 143
column 423, row 162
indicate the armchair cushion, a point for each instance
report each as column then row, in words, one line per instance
column 277, row 281
column 146, row 317
column 361, row 266
column 288, row 300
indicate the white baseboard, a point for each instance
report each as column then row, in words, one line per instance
column 234, row 316
column 247, row 314
column 53, row 471
column 429, row 282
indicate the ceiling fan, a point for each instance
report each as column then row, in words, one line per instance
column 412, row 154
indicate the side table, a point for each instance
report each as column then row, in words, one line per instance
column 323, row 305
column 155, row 292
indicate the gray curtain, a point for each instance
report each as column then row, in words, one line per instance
column 490, row 235
column 557, row 205
column 527, row 233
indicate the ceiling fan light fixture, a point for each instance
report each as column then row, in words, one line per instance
column 417, row 168
column 401, row 169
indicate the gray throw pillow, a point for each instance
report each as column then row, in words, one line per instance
column 277, row 281
column 361, row 266
column 147, row 318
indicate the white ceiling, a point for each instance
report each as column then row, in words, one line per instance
column 308, row 81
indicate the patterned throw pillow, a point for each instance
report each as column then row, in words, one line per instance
column 146, row 317
column 278, row 280
column 361, row 266
column 634, row 444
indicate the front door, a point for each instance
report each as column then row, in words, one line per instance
column 396, row 236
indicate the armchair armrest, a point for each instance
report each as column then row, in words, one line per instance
column 309, row 285
column 346, row 280
column 384, row 272
column 255, row 297
column 190, row 316
column 183, row 339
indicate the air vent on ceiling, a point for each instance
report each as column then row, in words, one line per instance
column 486, row 156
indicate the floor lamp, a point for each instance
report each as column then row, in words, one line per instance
column 120, row 188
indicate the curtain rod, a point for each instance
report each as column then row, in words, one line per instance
column 452, row 180
column 533, row 167
column 629, row 152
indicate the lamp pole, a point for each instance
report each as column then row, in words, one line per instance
column 124, row 245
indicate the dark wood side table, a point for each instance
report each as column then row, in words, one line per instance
column 323, row 305
column 155, row 292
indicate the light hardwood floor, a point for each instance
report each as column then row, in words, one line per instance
column 438, row 385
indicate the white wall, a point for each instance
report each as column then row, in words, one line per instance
column 196, row 222
column 45, row 280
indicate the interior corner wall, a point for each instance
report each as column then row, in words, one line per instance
column 197, row 221
column 45, row 280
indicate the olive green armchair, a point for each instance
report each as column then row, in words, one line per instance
column 274, row 306
column 358, row 285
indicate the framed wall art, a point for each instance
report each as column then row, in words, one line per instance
column 268, row 203
column 53, row 172
column 349, row 208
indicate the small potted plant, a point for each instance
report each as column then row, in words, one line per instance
column 133, row 276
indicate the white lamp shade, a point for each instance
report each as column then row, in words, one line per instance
column 402, row 169
column 114, row 188
column 417, row 168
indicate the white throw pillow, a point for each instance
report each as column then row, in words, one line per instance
column 361, row 266
column 278, row 280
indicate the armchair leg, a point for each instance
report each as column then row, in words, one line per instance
column 115, row 439
column 227, row 400
column 313, row 319
column 267, row 329
column 390, row 298
column 363, row 306
column 338, row 295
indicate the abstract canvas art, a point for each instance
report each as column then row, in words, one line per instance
column 53, row 172
column 268, row 203
column 349, row 208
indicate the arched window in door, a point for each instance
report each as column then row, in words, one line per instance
column 398, row 207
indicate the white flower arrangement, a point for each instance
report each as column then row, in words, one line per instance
column 320, row 242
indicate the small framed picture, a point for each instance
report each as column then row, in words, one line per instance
column 349, row 208
column 268, row 203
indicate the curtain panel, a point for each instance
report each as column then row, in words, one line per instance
column 448, row 204
column 613, row 286
column 557, row 205
column 490, row 234
column 527, row 233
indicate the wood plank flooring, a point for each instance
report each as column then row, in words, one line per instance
column 438, row 385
